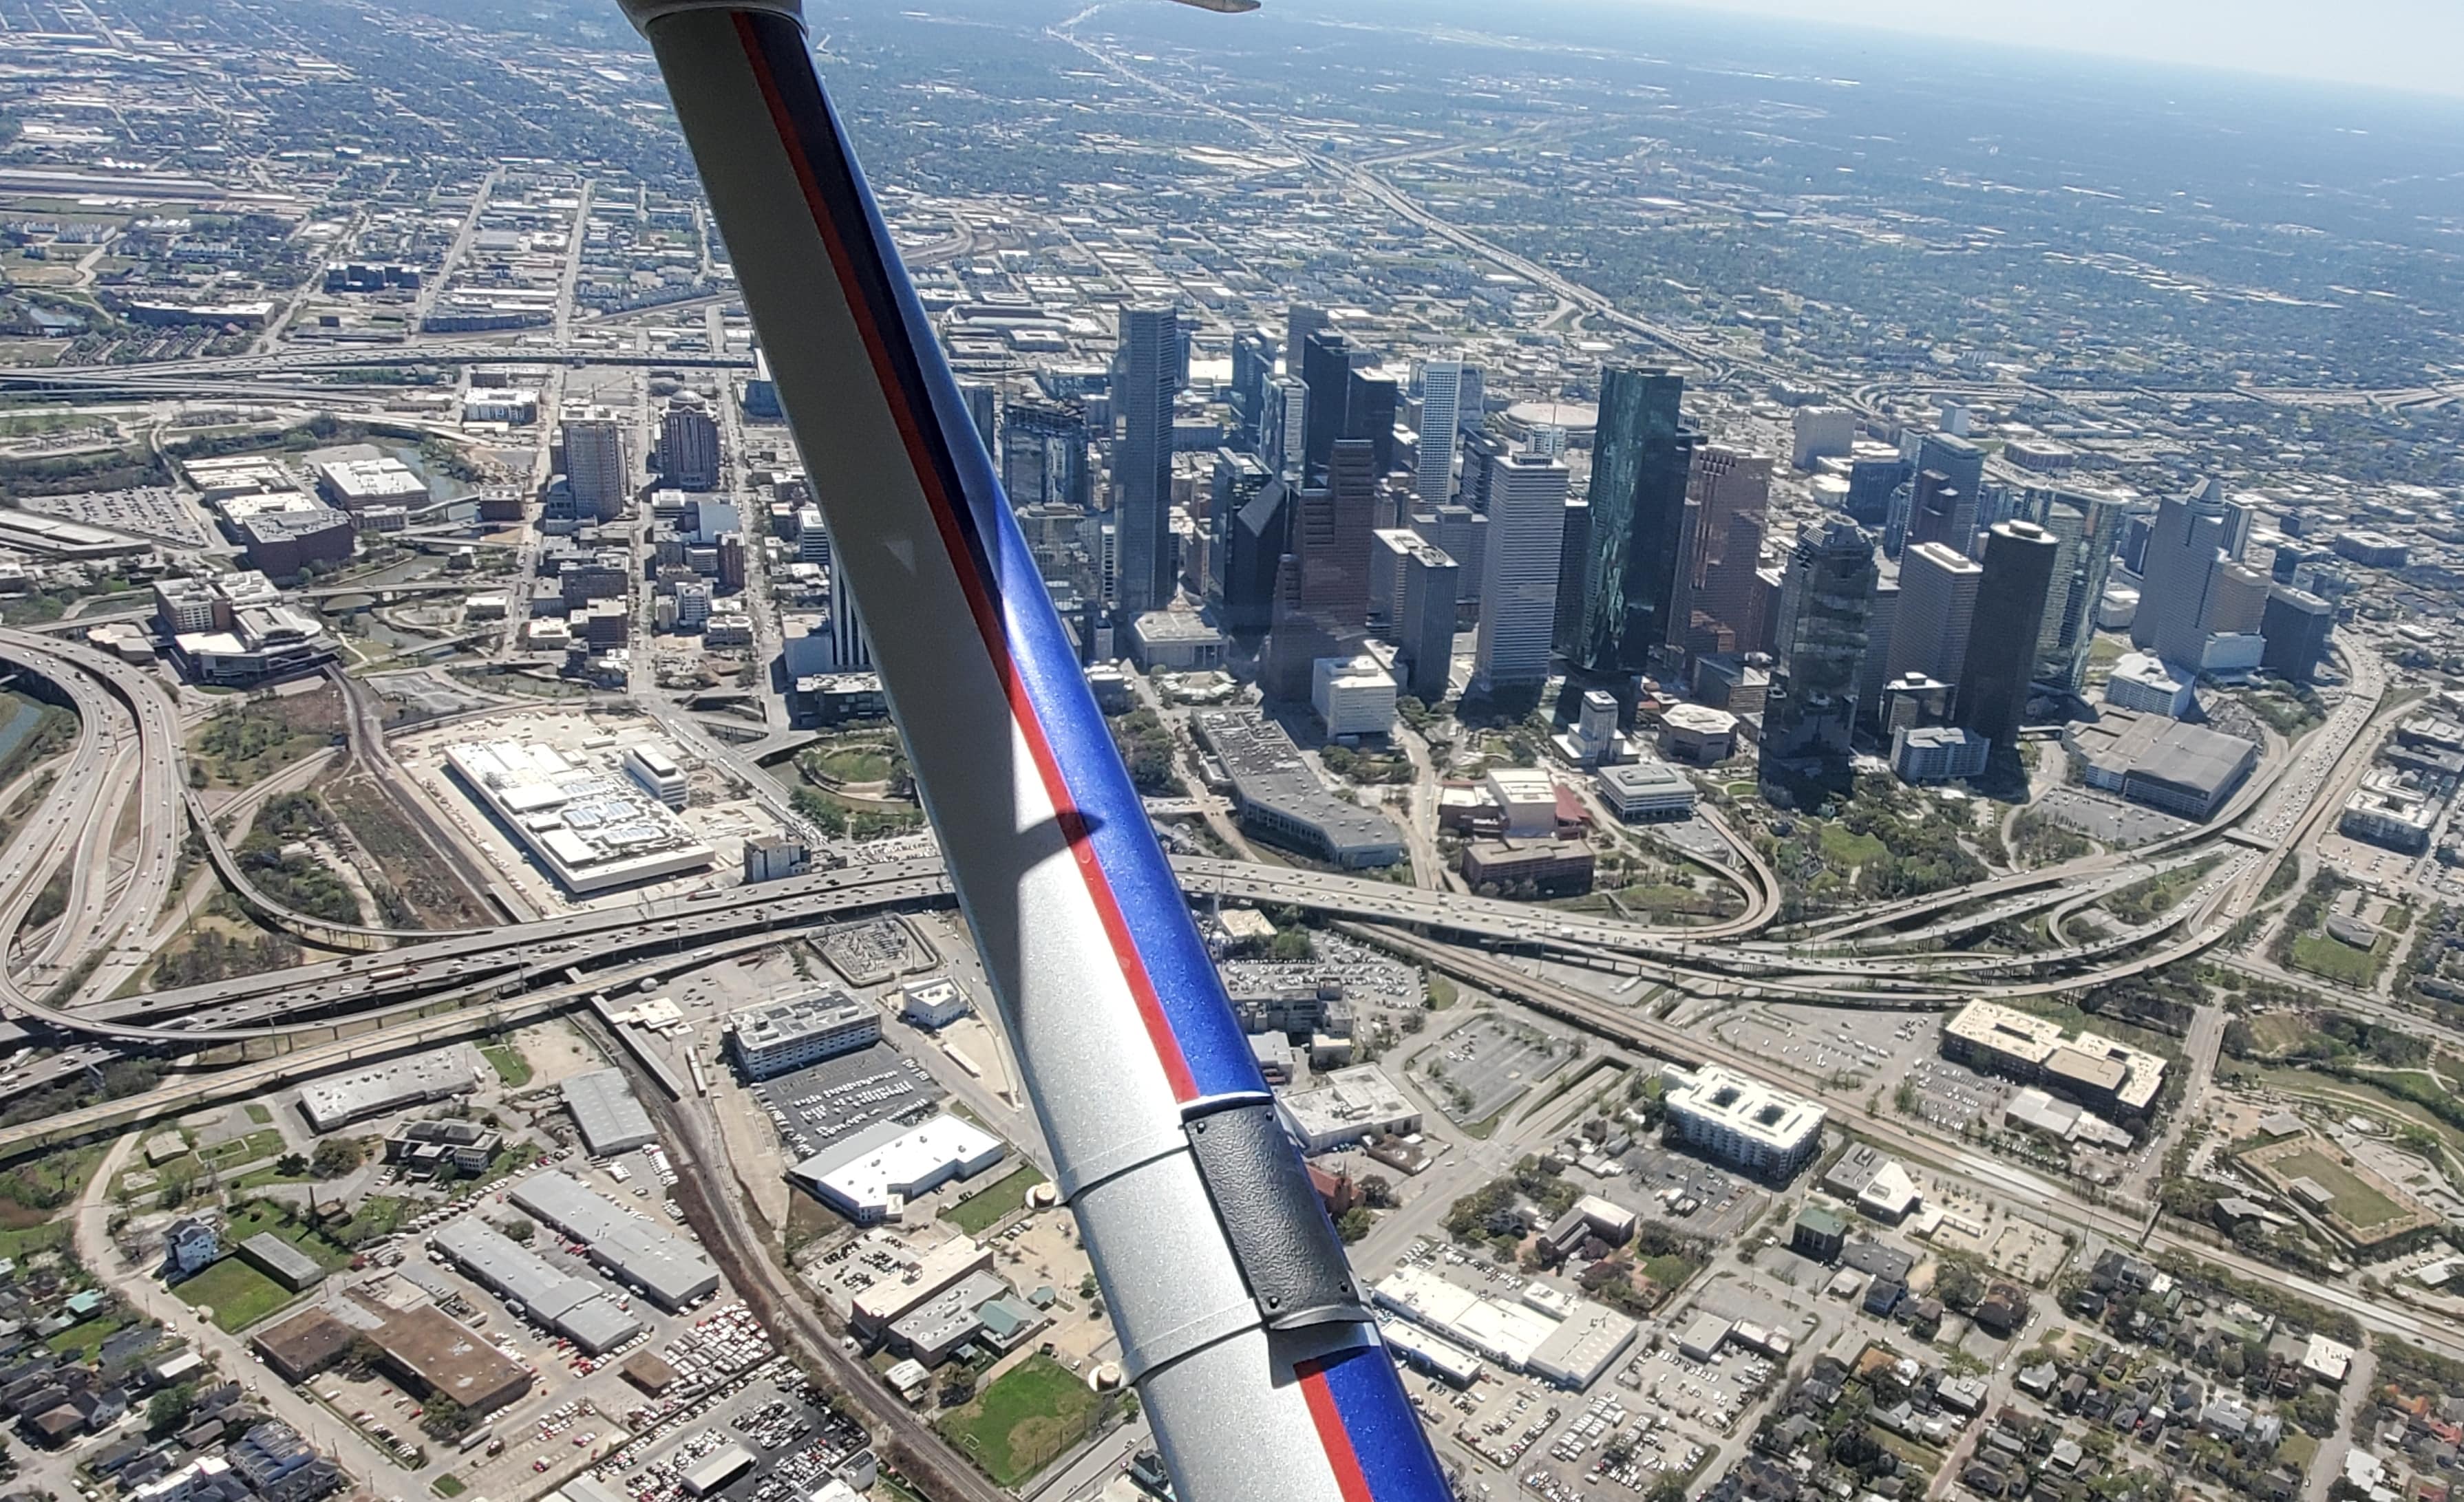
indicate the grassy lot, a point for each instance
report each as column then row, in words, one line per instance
column 260, row 1115
column 1016, row 1425
column 82, row 1340
column 447, row 1484
column 2357, row 1203
column 1842, row 847
column 509, row 1065
column 263, row 1143
column 980, row 1211
column 856, row 764
column 1669, row 1273
column 2280, row 1032
column 2339, row 961
column 238, row 1295
column 256, row 1218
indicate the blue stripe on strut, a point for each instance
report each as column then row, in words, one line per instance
column 1156, row 914
column 1386, row 1435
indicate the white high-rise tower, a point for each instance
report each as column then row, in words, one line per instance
column 1441, row 414
column 1518, row 584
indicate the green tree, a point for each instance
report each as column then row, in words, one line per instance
column 446, row 1419
column 520, row 1229
column 1353, row 1223
column 335, row 1157
column 168, row 1409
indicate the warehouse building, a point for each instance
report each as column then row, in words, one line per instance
column 914, row 1276
column 783, row 1035
column 1551, row 867
column 2094, row 1070
column 396, row 1085
column 1568, row 1341
column 532, row 1290
column 303, row 1345
column 606, row 1112
column 1743, row 1122
column 718, row 1470
column 870, row 1176
column 281, row 543
column 635, row 1252
column 280, row 1261
column 435, row 1356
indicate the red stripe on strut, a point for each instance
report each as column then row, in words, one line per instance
column 981, row 603
column 1349, row 1478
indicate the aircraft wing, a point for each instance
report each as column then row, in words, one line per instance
column 1251, row 1345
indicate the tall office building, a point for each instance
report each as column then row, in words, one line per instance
column 1937, row 590
column 1573, row 548
column 1882, row 627
column 1961, row 464
column 594, row 464
column 1043, row 453
column 2087, row 525
column 1254, row 548
column 1819, row 636
column 1282, row 425
column 983, row 405
column 1253, row 367
column 1728, row 493
column 1875, row 470
column 689, row 444
column 1641, row 454
column 851, row 649
column 2297, row 628
column 1463, row 534
column 1325, row 369
column 1322, row 591
column 1299, row 323
column 1518, row 587
column 1441, row 414
column 1992, row 683
column 1149, row 365
column 1940, row 512
column 2184, row 559
column 1424, row 623
column 1233, row 483
column 1370, row 402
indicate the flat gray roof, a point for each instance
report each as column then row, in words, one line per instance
column 664, row 1266
column 604, row 1108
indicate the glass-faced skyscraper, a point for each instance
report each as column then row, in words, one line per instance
column 1826, row 601
column 2002, row 647
column 1640, row 463
column 2086, row 526
column 1150, row 366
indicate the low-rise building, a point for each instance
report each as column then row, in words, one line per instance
column 1937, row 754
column 870, row 1175
column 2181, row 768
column 782, row 1035
column 1347, row 1105
column 1698, row 735
column 1279, row 800
column 633, row 1250
column 1743, row 1122
column 1352, row 696
column 2383, row 812
column 395, row 1085
column 2147, row 683
column 1640, row 791
column 607, row 1114
column 568, row 1306
column 1550, row 867
column 935, row 1001
column 774, row 858
column 2094, row 1070
column 435, row 1355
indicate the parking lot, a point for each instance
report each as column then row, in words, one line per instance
column 1954, row 1097
column 1368, row 977
column 1859, row 1046
column 1703, row 1200
column 2108, row 821
column 816, row 1106
column 1487, row 1064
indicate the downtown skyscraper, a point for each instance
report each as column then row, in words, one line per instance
column 2018, row 570
column 1820, row 636
column 1518, row 590
column 1441, row 393
column 1640, row 462
column 1150, row 366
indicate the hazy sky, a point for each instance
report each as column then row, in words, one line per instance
column 2402, row 44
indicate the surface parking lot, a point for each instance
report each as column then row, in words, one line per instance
column 2107, row 819
column 1493, row 1062
column 814, row 1107
column 1703, row 1200
column 1825, row 1045
column 1954, row 1097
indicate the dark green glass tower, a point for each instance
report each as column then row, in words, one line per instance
column 1637, row 510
